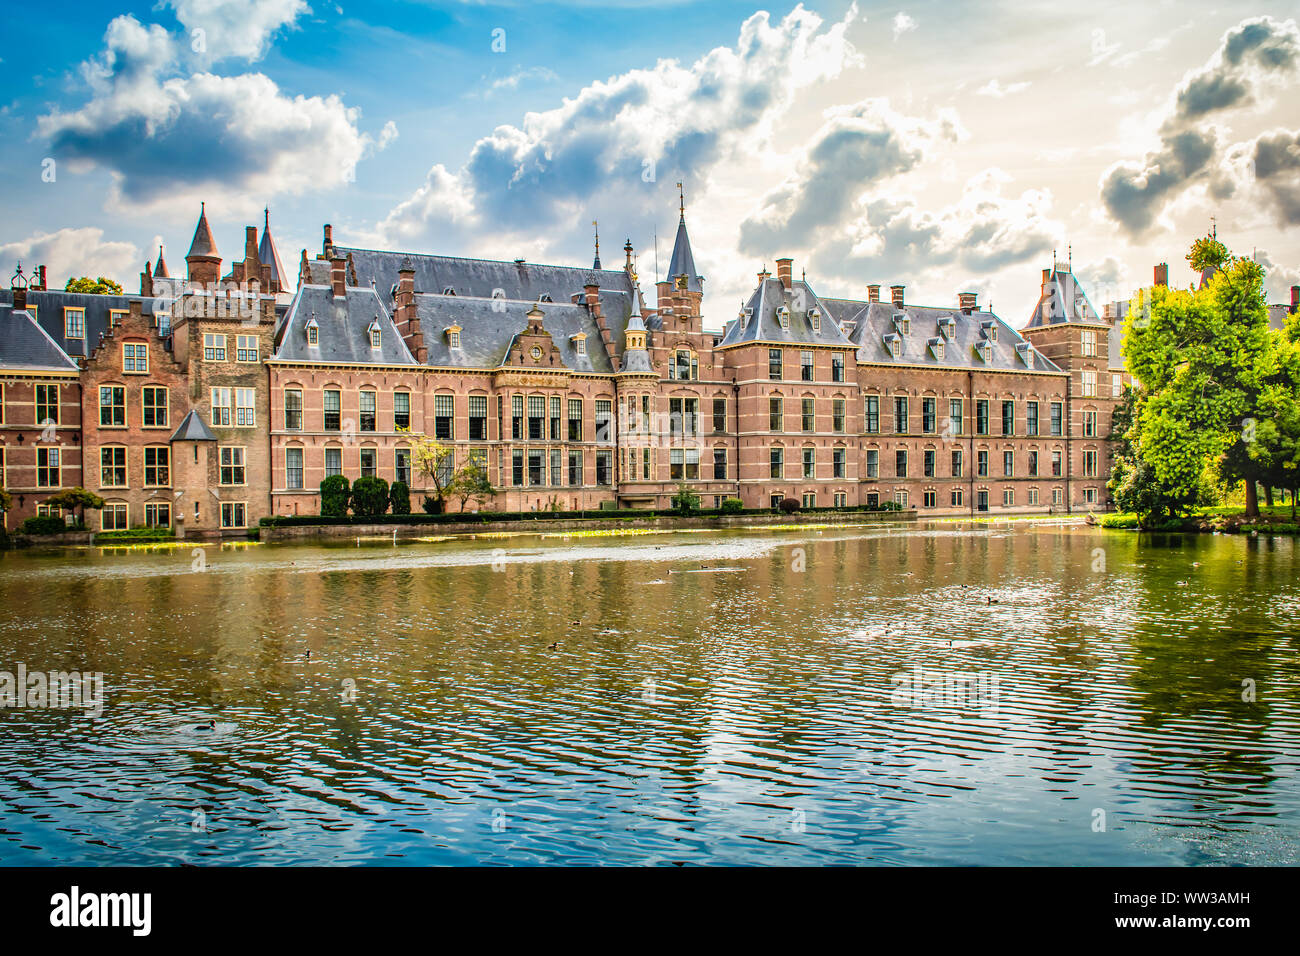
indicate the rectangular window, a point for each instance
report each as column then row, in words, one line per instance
column 645, row 413
column 838, row 457
column 1090, row 464
column 956, row 463
column 555, row 424
column 402, row 465
column 604, row 467
column 809, row 499
column 333, row 461
column 873, row 415
column 900, row 498
column 232, row 465
column 719, row 464
column 1056, row 418
column 1089, row 383
column 604, row 428
column 837, row 367
column 1089, row 424
column 981, row 416
column 807, row 415
column 113, row 518
column 774, row 364
column 333, row 409
column 684, row 464
column 956, row 497
column 645, row 464
column 517, row 467
column 367, row 416
column 575, row 419
column 928, row 464
column 719, row 415
column 245, row 409
column 1058, row 496
column 837, row 416
column 873, row 500
column 517, row 419
column 402, row 412
column 900, row 415
column 1033, row 496
column 873, row 463
column 444, row 411
column 246, row 348
column 775, row 414
column 928, row 498
column 1008, row 418
column 806, row 366
column 900, row 463
column 135, row 358
column 841, row 499
column 1116, row 386
column 214, row 347
column 1056, row 464
column 112, row 406
column 157, row 515
column 234, row 514
column 74, row 323
column 293, row 409
column 1089, row 342
column 1031, row 419
column 557, row 473
column 1033, row 465
column 683, row 414
column 154, row 405
column 369, row 459
column 810, row 463
column 112, row 467
column 293, row 468
column 157, row 467
column 47, row 405
column 575, row 468
column 1008, row 464
column 928, row 422
column 954, row 415
column 1090, row 495
column 478, row 421
column 1008, row 497
column 982, row 464
column 776, row 463
column 47, row 468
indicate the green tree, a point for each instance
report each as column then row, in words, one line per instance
column 335, row 492
column 470, row 483
column 686, row 502
column 435, row 461
column 369, row 496
column 399, row 496
column 101, row 286
column 76, row 500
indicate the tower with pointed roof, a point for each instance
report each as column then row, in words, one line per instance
column 203, row 261
column 266, row 252
column 681, row 292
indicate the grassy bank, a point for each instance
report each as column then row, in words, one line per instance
column 1223, row 520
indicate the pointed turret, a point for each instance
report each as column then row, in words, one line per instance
column 683, row 260
column 203, row 260
column 595, row 263
column 636, row 357
column 268, row 255
column 160, row 270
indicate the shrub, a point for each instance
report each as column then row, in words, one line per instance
column 399, row 496
column 685, row 502
column 334, row 493
column 432, row 506
column 135, row 534
column 44, row 524
column 369, row 496
column 732, row 506
column 789, row 505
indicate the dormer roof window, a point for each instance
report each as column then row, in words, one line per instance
column 948, row 327
column 1026, row 352
column 545, row 297
column 580, row 343
column 990, row 328
column 902, row 323
column 783, row 316
column 448, row 291
column 985, row 350
column 894, row 343
column 376, row 335
column 453, row 336
column 815, row 317
column 936, row 346
column 313, row 332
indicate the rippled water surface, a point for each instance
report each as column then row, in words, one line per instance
column 718, row 697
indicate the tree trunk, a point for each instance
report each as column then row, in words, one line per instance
column 1252, row 499
column 1268, row 493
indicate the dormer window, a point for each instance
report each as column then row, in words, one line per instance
column 902, row 323
column 453, row 336
column 948, row 327
column 815, row 317
column 936, row 346
column 580, row 343
column 1026, row 352
column 783, row 316
column 313, row 332
column 544, row 297
column 894, row 343
column 376, row 339
column 448, row 291
column 990, row 328
column 985, row 350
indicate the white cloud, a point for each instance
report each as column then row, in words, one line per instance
column 241, row 28
column 168, row 138
column 1101, row 50
column 903, row 24
column 75, row 252
column 996, row 90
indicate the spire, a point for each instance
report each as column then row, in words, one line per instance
column 268, row 256
column 681, row 202
column 596, row 262
column 203, row 245
column 683, row 260
column 160, row 270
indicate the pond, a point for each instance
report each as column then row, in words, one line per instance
column 941, row 694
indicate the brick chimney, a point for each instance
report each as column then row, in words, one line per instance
column 20, row 297
column 40, row 278
column 896, row 295
column 1162, row 274
column 327, row 247
column 1047, row 277
column 1295, row 299
column 338, row 276
column 405, row 316
column 146, row 280
column 591, row 295
column 968, row 302
column 873, row 293
column 784, row 270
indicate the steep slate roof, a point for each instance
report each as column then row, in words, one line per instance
column 49, row 313
column 193, row 428
column 25, row 345
column 877, row 320
column 267, row 254
column 203, row 244
column 489, row 327
column 343, row 328
column 1063, row 300
column 762, row 324
column 318, row 272
column 683, row 260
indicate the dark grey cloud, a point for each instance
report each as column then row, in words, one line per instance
column 1277, row 170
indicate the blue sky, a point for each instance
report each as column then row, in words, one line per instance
column 942, row 146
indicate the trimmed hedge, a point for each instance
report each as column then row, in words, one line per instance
column 486, row 517
column 136, row 534
column 399, row 497
column 45, row 524
column 369, row 497
column 334, row 495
